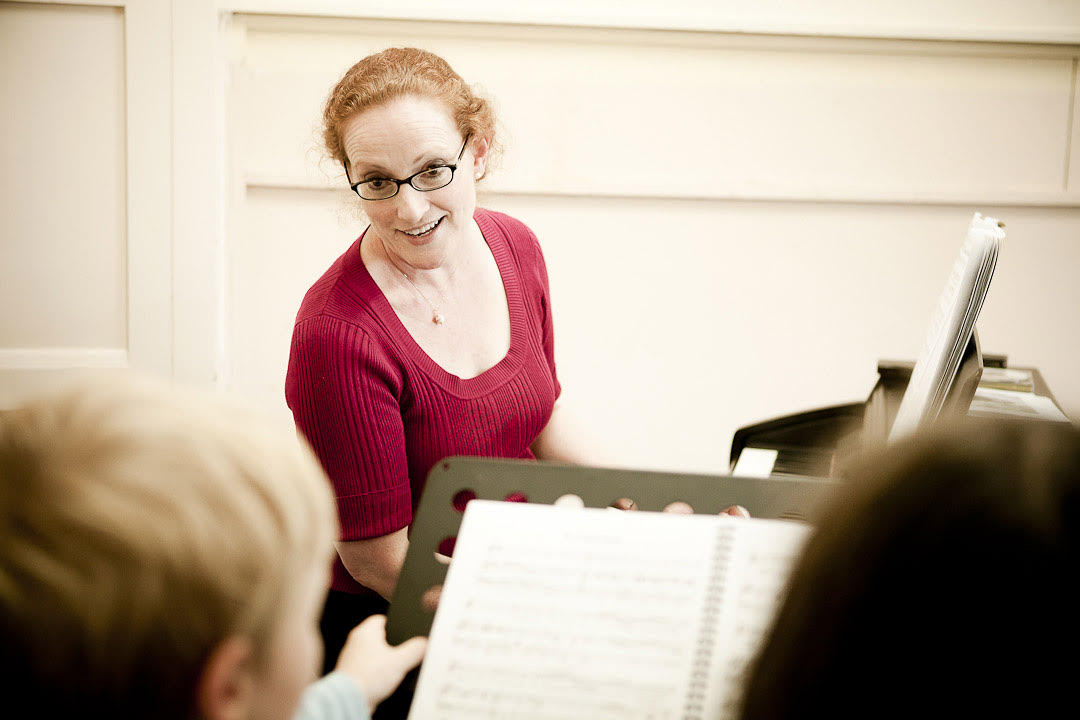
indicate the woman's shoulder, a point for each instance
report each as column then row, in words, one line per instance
column 337, row 319
column 518, row 236
column 327, row 343
column 340, row 293
column 524, row 248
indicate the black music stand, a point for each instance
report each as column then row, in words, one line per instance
column 454, row 480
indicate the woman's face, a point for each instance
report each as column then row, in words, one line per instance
column 395, row 140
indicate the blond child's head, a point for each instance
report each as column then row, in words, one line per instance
column 161, row 555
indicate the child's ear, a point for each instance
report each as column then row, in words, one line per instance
column 226, row 684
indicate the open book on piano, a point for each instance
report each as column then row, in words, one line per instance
column 942, row 382
column 951, row 328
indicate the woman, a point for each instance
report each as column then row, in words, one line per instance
column 941, row 583
column 431, row 335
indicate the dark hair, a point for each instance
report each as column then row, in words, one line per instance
column 941, row 580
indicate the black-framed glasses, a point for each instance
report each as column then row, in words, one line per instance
column 428, row 179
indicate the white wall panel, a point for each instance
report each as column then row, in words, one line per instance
column 1072, row 163
column 690, row 114
column 85, row 137
column 736, row 227
column 712, row 181
column 290, row 239
column 198, row 155
column 677, row 321
column 62, row 178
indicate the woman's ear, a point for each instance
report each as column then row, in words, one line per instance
column 225, row 689
column 480, row 151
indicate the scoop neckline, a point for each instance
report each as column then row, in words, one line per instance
column 495, row 375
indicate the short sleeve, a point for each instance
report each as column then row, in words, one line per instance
column 335, row 697
column 343, row 392
column 547, row 325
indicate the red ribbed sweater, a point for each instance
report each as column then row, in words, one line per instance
column 379, row 413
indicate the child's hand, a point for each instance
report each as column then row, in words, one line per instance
column 373, row 664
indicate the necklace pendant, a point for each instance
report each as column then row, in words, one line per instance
column 437, row 318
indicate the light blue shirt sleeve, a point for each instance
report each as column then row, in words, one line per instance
column 334, row 697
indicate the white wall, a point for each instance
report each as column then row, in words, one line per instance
column 70, row 152
column 85, row 231
column 743, row 205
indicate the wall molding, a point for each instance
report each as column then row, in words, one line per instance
column 91, row 3
column 675, row 37
column 1051, row 189
column 149, row 133
column 200, row 76
column 1067, row 200
column 63, row 358
column 1038, row 21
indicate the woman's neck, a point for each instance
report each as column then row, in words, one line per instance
column 379, row 260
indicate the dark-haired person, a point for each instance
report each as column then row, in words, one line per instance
column 942, row 582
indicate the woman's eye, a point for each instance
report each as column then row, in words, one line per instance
column 432, row 172
column 377, row 184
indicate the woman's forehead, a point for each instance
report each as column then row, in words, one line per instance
column 401, row 132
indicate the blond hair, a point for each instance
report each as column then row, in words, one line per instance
column 396, row 72
column 140, row 527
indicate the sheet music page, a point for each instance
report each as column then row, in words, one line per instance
column 991, row 402
column 762, row 555
column 582, row 613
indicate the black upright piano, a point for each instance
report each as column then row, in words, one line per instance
column 807, row 443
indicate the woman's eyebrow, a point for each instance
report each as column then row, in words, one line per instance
column 429, row 159
column 366, row 169
column 363, row 169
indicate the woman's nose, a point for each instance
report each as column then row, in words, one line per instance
column 411, row 204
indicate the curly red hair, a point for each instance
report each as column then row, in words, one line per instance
column 396, row 72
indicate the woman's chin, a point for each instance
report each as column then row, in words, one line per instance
column 426, row 253
column 422, row 241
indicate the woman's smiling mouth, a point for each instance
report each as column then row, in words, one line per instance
column 423, row 229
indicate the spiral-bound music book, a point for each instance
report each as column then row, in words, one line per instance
column 951, row 326
column 551, row 612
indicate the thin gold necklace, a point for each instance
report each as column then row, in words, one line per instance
column 436, row 316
